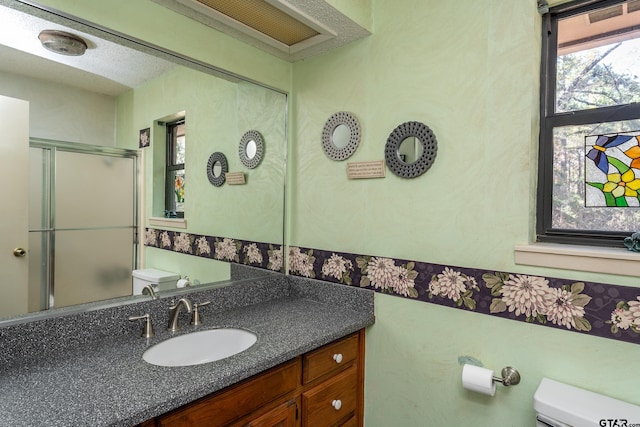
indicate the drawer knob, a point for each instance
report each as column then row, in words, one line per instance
column 337, row 357
column 337, row 404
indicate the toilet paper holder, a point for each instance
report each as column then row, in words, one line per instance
column 510, row 376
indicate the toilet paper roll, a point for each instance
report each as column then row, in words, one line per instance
column 478, row 379
column 183, row 283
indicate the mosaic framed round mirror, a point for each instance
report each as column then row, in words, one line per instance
column 411, row 149
column 217, row 167
column 341, row 135
column 251, row 149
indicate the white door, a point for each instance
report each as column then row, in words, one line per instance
column 14, row 193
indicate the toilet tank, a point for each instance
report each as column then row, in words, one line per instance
column 561, row 405
column 158, row 279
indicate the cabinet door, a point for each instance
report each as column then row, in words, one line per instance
column 281, row 416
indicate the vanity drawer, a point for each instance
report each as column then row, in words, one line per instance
column 330, row 358
column 332, row 401
column 222, row 408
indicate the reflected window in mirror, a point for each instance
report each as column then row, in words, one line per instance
column 175, row 170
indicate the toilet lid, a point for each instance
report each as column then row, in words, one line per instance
column 155, row 276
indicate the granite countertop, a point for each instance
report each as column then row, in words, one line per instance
column 105, row 382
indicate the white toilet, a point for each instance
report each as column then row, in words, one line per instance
column 158, row 279
column 562, row 405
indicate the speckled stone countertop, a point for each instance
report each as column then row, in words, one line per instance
column 87, row 368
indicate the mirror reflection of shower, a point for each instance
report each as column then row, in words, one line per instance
column 81, row 223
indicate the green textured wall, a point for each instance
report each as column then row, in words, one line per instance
column 470, row 70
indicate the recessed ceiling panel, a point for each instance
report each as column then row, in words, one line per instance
column 289, row 29
column 274, row 22
column 265, row 18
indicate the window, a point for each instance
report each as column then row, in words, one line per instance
column 175, row 170
column 589, row 161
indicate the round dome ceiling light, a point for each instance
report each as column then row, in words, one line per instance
column 62, row 43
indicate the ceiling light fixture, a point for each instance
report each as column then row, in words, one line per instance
column 62, row 43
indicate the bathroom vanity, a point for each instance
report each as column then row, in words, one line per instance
column 320, row 388
column 87, row 368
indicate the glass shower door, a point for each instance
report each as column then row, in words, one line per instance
column 94, row 221
column 82, row 223
column 40, row 232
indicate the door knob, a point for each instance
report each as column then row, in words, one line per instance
column 19, row 252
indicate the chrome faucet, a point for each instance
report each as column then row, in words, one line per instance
column 174, row 313
column 148, row 290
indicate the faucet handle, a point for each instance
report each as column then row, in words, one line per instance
column 196, row 319
column 147, row 328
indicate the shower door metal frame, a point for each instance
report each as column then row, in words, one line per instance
column 49, row 229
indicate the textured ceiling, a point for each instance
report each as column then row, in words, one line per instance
column 345, row 29
column 106, row 67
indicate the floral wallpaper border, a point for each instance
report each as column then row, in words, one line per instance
column 604, row 310
column 256, row 254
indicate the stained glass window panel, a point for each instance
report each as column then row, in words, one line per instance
column 178, row 190
column 570, row 210
column 612, row 170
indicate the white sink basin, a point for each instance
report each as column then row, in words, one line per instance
column 200, row 347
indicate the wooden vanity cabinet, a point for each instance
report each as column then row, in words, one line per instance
column 332, row 383
column 319, row 389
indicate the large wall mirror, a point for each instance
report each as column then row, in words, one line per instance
column 90, row 109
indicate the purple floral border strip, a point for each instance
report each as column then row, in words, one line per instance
column 609, row 311
column 256, row 254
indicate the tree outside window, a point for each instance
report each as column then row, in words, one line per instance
column 175, row 169
column 590, row 87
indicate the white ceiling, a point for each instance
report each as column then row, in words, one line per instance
column 106, row 67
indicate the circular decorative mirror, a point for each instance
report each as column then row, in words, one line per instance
column 340, row 136
column 410, row 150
column 217, row 167
column 251, row 149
